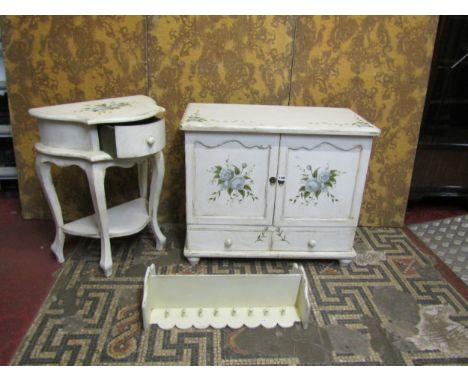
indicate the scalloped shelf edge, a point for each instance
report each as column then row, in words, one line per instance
column 217, row 301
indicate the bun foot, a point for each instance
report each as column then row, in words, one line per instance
column 193, row 260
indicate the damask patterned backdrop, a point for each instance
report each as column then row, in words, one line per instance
column 378, row 66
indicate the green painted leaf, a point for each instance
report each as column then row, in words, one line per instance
column 247, row 187
column 306, row 194
column 242, row 192
column 317, row 194
column 302, row 188
column 218, row 168
column 229, row 190
column 314, row 174
column 236, row 170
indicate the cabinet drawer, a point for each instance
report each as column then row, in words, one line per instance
column 229, row 240
column 313, row 240
column 129, row 140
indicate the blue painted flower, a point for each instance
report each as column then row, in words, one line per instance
column 323, row 176
column 312, row 185
column 226, row 174
column 238, row 183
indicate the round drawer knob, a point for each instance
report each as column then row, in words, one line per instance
column 228, row 243
column 311, row 243
column 150, row 141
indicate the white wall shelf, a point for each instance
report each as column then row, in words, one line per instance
column 225, row 300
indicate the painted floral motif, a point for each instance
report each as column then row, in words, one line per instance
column 359, row 122
column 105, row 107
column 195, row 117
column 316, row 182
column 280, row 233
column 233, row 180
column 262, row 235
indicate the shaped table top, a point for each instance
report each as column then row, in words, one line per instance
column 110, row 110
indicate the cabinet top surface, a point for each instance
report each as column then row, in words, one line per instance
column 275, row 119
column 110, row 110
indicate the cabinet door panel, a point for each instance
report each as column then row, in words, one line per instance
column 324, row 180
column 227, row 178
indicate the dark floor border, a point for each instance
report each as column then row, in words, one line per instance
column 445, row 271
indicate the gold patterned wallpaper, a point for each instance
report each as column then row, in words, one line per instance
column 58, row 59
column 378, row 66
column 213, row 59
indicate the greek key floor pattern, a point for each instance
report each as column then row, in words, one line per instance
column 391, row 306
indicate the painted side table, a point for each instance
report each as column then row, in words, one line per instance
column 96, row 135
column 274, row 181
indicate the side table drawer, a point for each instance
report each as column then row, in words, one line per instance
column 254, row 239
column 313, row 240
column 135, row 139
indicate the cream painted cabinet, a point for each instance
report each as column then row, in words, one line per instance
column 274, row 181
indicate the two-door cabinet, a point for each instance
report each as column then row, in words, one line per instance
column 274, row 181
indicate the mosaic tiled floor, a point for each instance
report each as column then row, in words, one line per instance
column 390, row 307
column 448, row 239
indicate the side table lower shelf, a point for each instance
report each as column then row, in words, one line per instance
column 125, row 219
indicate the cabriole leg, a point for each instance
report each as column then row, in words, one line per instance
column 157, row 178
column 96, row 175
column 193, row 260
column 43, row 169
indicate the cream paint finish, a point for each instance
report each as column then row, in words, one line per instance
column 206, row 150
column 69, row 136
column 109, row 110
column 347, row 155
column 225, row 300
column 275, row 119
column 307, row 178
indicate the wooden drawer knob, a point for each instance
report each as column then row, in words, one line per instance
column 227, row 243
column 150, row 141
column 311, row 243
